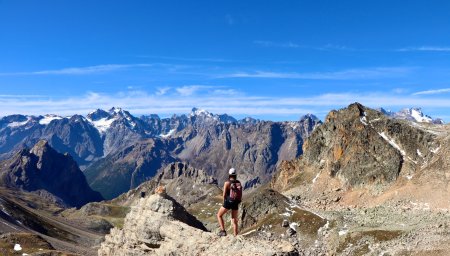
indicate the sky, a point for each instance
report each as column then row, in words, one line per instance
column 275, row 60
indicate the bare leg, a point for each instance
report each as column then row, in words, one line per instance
column 220, row 213
column 234, row 218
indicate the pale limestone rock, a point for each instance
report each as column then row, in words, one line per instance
column 158, row 225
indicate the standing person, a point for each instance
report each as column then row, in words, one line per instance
column 232, row 196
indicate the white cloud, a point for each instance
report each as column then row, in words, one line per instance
column 425, row 49
column 163, row 90
column 81, row 70
column 188, row 90
column 349, row 74
column 437, row 91
column 289, row 44
column 139, row 102
column 277, row 44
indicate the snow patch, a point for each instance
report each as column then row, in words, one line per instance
column 18, row 124
column 168, row 134
column 419, row 116
column 315, row 178
column 363, row 120
column 48, row 118
column 17, row 247
column 419, row 153
column 342, row 232
column 392, row 142
column 102, row 124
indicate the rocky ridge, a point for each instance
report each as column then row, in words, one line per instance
column 43, row 169
column 157, row 225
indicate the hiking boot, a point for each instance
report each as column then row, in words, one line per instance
column 222, row 233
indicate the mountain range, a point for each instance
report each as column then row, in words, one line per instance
column 118, row 151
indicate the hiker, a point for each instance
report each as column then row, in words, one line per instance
column 232, row 196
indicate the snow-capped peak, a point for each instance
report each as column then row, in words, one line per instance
column 103, row 120
column 199, row 112
column 46, row 119
column 116, row 110
column 97, row 115
column 413, row 114
column 417, row 114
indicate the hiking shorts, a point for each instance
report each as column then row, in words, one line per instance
column 230, row 205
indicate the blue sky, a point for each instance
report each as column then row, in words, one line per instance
column 268, row 59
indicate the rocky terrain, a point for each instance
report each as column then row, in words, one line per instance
column 31, row 224
column 157, row 225
column 46, row 172
column 381, row 182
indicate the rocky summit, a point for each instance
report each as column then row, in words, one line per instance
column 158, row 225
column 42, row 168
column 360, row 147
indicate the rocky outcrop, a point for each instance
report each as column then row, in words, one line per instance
column 182, row 182
column 360, row 147
column 128, row 168
column 157, row 225
column 42, row 168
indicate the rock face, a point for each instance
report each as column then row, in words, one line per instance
column 128, row 168
column 360, row 147
column 42, row 168
column 182, row 182
column 158, row 225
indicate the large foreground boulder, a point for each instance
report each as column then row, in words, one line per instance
column 158, row 225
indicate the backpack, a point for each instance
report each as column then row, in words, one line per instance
column 235, row 191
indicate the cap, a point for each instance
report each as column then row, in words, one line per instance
column 232, row 171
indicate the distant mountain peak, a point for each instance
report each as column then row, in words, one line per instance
column 309, row 116
column 414, row 114
column 97, row 115
column 115, row 110
column 199, row 112
column 43, row 167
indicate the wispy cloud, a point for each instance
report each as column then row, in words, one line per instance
column 188, row 90
column 349, row 74
column 429, row 92
column 80, row 70
column 289, row 44
column 277, row 44
column 186, row 58
column 162, row 90
column 425, row 49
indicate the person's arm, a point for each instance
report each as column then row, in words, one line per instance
column 225, row 187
